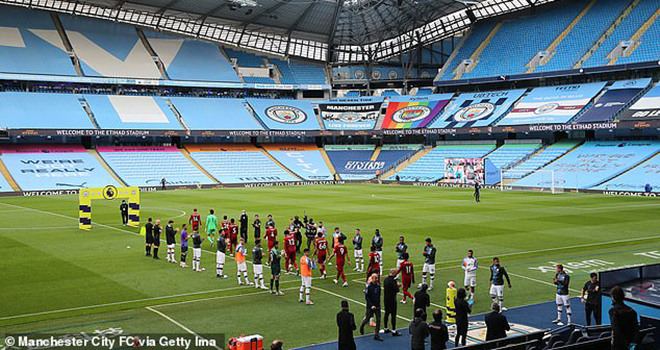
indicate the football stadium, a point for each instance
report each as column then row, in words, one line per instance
column 330, row 174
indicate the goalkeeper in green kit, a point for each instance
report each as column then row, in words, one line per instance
column 211, row 227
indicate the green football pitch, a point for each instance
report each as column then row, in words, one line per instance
column 56, row 278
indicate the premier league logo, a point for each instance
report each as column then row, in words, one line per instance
column 411, row 114
column 546, row 108
column 474, row 112
column 286, row 114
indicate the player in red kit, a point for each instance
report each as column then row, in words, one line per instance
column 290, row 251
column 407, row 276
column 233, row 234
column 195, row 220
column 374, row 262
column 321, row 252
column 271, row 237
column 225, row 226
column 341, row 252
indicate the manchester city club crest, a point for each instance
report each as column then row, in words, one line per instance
column 411, row 114
column 546, row 108
column 474, row 112
column 286, row 114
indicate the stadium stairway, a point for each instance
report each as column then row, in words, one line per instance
column 413, row 158
column 263, row 150
column 606, row 34
column 638, row 34
column 105, row 165
column 10, row 179
column 374, row 156
column 553, row 46
column 475, row 55
column 328, row 163
column 67, row 44
column 194, row 162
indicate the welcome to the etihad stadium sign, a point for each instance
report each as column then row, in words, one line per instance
column 288, row 133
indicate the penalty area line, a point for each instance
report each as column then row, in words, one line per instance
column 178, row 324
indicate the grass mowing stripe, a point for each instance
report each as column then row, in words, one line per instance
column 354, row 301
column 178, row 324
column 221, row 297
column 540, row 281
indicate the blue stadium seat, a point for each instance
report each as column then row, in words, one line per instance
column 540, row 159
column 258, row 80
column 239, row 164
column 510, row 154
column 187, row 59
column 200, row 113
column 477, row 35
column 431, row 167
column 307, row 72
column 25, row 110
column 592, row 164
column 132, row 112
column 245, row 59
column 354, row 164
column 636, row 178
column 305, row 161
column 30, row 43
column 146, row 166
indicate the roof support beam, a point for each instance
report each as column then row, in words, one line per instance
column 203, row 17
column 295, row 24
column 268, row 10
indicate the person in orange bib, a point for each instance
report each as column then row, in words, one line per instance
column 306, row 266
column 241, row 266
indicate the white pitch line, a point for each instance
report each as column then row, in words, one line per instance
column 540, row 281
column 179, row 324
column 223, row 297
column 354, row 301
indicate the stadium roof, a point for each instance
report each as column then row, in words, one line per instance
column 340, row 31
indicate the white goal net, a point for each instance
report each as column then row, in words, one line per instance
column 536, row 180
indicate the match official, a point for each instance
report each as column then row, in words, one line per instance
column 123, row 208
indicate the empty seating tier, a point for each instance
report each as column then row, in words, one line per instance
column 304, row 160
column 236, row 163
column 512, row 153
column 636, row 178
column 147, row 166
column 540, row 159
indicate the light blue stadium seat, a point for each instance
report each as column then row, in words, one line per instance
column 424, row 92
column 390, row 93
column 191, row 59
column 636, row 178
column 24, row 49
column 147, row 168
column 478, row 34
column 585, row 33
column 245, row 59
column 510, row 154
column 307, row 163
column 201, row 113
column 431, row 167
column 539, row 160
column 4, row 185
column 241, row 167
column 354, row 164
column 25, row 110
column 132, row 112
column 287, row 75
column 307, row 72
column 592, row 163
column 258, row 80
column 52, row 170
column 624, row 31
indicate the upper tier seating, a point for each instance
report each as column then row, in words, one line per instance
column 308, row 73
column 132, row 112
column 649, row 48
column 592, row 163
column 54, row 167
column 636, row 178
column 431, row 167
column 258, row 80
column 146, row 166
column 594, row 23
column 352, row 93
column 30, row 44
column 200, row 113
column 287, row 75
column 477, row 108
column 109, row 49
column 352, row 162
column 540, row 159
column 390, row 93
column 612, row 102
column 424, row 92
column 25, row 110
column 475, row 37
column 512, row 48
column 304, row 160
column 235, row 163
column 640, row 14
column 511, row 153
column 552, row 104
column 285, row 114
column 245, row 59
column 187, row 59
column 646, row 108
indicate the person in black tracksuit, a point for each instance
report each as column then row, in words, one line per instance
column 372, row 296
column 477, row 192
column 591, row 299
column 462, row 311
column 123, row 208
column 157, row 231
column 149, row 236
column 625, row 328
column 390, row 291
column 243, row 220
column 422, row 299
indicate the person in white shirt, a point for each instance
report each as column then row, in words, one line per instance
column 470, row 266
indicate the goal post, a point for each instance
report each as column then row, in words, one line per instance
column 110, row 192
column 543, row 180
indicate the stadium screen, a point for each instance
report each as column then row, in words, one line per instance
column 464, row 170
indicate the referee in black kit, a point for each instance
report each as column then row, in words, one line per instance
column 123, row 208
column 477, row 191
column 149, row 236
